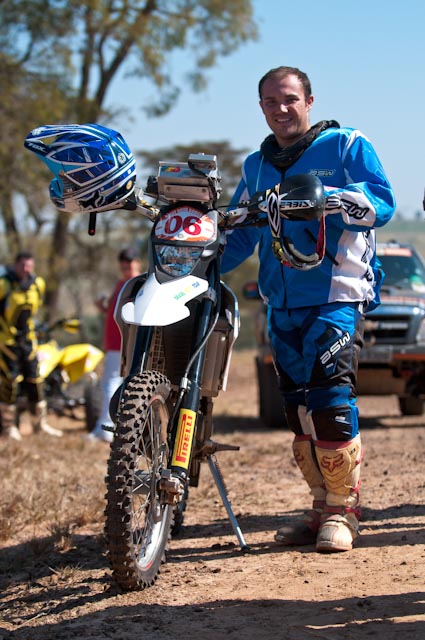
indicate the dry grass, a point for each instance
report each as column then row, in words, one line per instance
column 50, row 486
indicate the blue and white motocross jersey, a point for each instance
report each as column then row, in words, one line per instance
column 347, row 164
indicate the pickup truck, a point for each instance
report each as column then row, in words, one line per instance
column 392, row 360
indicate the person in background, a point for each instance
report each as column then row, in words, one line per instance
column 315, row 317
column 129, row 266
column 21, row 297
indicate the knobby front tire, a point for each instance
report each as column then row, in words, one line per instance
column 137, row 525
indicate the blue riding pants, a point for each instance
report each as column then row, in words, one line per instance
column 316, row 355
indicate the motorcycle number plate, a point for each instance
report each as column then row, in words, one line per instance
column 186, row 224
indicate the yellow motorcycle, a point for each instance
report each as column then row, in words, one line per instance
column 69, row 373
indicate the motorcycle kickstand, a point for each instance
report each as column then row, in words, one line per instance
column 219, row 481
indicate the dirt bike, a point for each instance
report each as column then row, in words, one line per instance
column 69, row 373
column 178, row 325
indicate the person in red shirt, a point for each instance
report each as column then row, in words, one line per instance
column 129, row 266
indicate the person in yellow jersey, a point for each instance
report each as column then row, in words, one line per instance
column 21, row 297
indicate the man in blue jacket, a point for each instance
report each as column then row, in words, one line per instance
column 315, row 316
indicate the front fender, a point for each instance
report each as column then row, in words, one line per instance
column 161, row 304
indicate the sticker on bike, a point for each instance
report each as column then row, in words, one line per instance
column 183, row 447
column 186, row 224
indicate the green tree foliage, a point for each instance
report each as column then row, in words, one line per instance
column 66, row 56
column 35, row 84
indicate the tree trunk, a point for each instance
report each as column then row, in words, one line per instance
column 12, row 236
column 56, row 264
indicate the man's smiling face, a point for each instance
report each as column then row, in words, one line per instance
column 286, row 108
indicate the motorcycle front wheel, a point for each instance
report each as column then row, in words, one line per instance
column 138, row 524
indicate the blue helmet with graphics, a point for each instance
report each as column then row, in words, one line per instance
column 93, row 166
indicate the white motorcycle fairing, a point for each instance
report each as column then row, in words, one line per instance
column 163, row 304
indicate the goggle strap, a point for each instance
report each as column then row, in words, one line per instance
column 285, row 251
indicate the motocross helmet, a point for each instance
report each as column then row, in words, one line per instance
column 93, row 166
column 300, row 198
column 305, row 189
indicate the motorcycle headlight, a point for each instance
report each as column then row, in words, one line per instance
column 177, row 260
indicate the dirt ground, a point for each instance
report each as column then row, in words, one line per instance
column 55, row 581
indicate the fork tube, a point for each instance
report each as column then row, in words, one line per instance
column 195, row 373
column 184, row 428
column 141, row 349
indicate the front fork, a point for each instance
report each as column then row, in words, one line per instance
column 175, row 477
column 185, row 422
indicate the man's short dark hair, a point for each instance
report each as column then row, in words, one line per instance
column 282, row 72
column 24, row 255
column 128, row 255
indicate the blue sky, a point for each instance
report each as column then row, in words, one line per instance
column 366, row 63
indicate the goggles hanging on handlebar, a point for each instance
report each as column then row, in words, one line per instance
column 283, row 247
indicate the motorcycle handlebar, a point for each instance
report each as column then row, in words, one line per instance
column 299, row 197
column 150, row 208
column 305, row 209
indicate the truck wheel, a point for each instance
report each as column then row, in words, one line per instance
column 269, row 396
column 411, row 406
